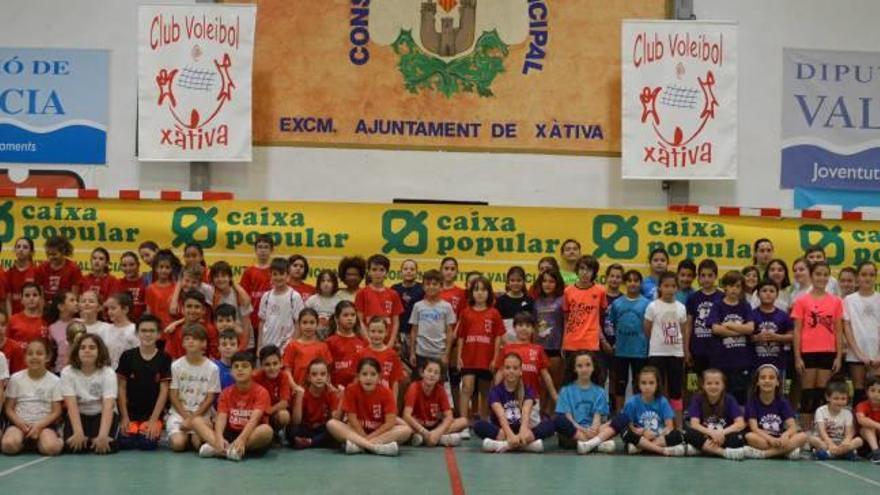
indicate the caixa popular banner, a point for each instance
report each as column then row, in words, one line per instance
column 488, row 239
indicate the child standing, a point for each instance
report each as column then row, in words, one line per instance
column 89, row 309
column 228, row 346
column 195, row 381
column 686, row 273
column 29, row 324
column 299, row 271
column 861, row 325
column 664, row 319
column 410, row 292
column 515, row 421
column 479, row 335
column 279, row 308
column 834, row 430
column 306, row 348
column 257, row 278
column 89, row 387
column 732, row 324
column 227, row 292
column 147, row 251
column 371, row 413
column 314, row 405
column 119, row 336
column 646, row 421
column 868, row 416
column 58, row 273
column 99, row 280
column 773, row 328
column 698, row 338
column 773, row 431
column 777, row 272
column 751, row 278
column 324, row 301
column 33, row 405
column 451, row 293
column 608, row 336
column 161, row 290
column 345, row 344
column 514, row 300
column 427, row 410
column 583, row 407
column 351, row 273
column 848, row 281
column 13, row 350
column 631, row 352
column 583, row 303
column 570, row 251
column 132, row 283
column 144, row 374
column 61, row 312
column 391, row 369
column 21, row 272
column 716, row 419
column 432, row 323
column 659, row 261
column 548, row 290
column 274, row 379
column 377, row 300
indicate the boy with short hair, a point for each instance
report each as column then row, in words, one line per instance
column 868, row 417
column 276, row 381
column 195, row 381
column 377, row 300
column 191, row 278
column 732, row 324
column 279, row 308
column 685, row 274
column 226, row 318
column 631, row 352
column 432, row 323
column 583, row 304
column 228, row 347
column 144, row 374
column 242, row 425
column 834, row 432
column 257, row 278
column 698, row 338
column 194, row 312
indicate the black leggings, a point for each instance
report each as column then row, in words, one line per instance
column 696, row 439
column 620, row 424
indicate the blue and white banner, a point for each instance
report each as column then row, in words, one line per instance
column 831, row 120
column 53, row 106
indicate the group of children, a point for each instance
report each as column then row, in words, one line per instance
column 231, row 369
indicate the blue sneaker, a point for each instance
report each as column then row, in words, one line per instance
column 851, row 456
column 821, row 455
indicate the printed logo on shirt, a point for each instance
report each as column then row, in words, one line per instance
column 703, row 311
column 650, row 420
column 512, row 412
column 771, row 423
column 767, row 349
column 716, row 423
column 671, row 332
column 818, row 319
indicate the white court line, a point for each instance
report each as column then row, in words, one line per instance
column 849, row 473
column 22, row 466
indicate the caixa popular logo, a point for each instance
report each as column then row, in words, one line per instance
column 191, row 224
column 7, row 223
column 450, row 46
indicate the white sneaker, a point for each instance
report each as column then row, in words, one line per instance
column 389, row 449
column 450, row 440
column 207, row 451
column 417, row 440
column 536, row 447
column 233, row 454
column 632, row 449
column 490, row 445
column 752, row 453
column 795, row 455
column 691, row 451
column 607, row 447
column 351, row 448
column 465, row 434
column 584, row 447
column 677, row 451
column 734, row 454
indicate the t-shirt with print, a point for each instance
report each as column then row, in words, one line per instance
column 818, row 316
column 102, row 285
column 863, row 315
column 584, row 309
column 344, row 351
column 478, row 330
column 432, row 319
column 508, row 306
column 15, row 280
column 26, row 328
column 194, row 382
column 137, row 289
column 118, row 340
column 143, row 378
column 256, row 281
column 239, row 405
column 731, row 353
column 14, row 352
column 551, row 322
column 427, row 409
column 771, row 417
column 456, row 296
column 648, row 415
column 667, row 320
column 718, row 418
column 158, row 300
column 409, row 296
column 278, row 312
column 89, row 390
column 835, row 424
column 534, row 361
column 316, row 409
column 582, row 403
column 389, row 361
column 628, row 316
column 870, row 410
column 775, row 353
column 378, row 302
column 297, row 356
column 699, row 306
column 33, row 397
column 608, row 330
column 54, row 281
column 278, row 387
column 513, row 412
column 369, row 407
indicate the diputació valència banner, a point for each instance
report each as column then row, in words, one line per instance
column 831, row 119
column 502, row 75
column 488, row 239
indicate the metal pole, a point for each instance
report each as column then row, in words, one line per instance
column 200, row 172
column 678, row 191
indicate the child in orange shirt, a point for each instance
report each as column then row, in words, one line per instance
column 301, row 351
column 29, row 324
column 314, row 405
column 344, row 344
column 583, row 303
column 391, row 368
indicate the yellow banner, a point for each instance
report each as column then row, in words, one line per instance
column 488, row 239
column 502, row 75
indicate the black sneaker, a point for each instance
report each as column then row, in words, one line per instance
column 875, row 457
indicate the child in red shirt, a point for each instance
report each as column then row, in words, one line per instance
column 12, row 349
column 370, row 411
column 132, row 283
column 868, row 417
column 242, row 421
column 276, row 381
column 21, row 272
column 480, row 329
column 534, row 359
column 451, row 293
column 161, row 290
column 194, row 311
column 315, row 404
column 301, row 351
column 427, row 410
column 257, row 279
column 58, row 273
column 378, row 300
column 299, row 271
column 29, row 324
column 99, row 280
column 391, row 368
column 344, row 344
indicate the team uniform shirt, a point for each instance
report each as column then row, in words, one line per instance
column 551, row 322
column 628, row 316
column 667, row 320
column 456, row 296
column 771, row 417
column 865, row 407
column 608, row 330
column 240, row 405
column 58, row 335
column 317, row 409
column 835, row 424
column 54, row 281
column 582, row 403
column 89, row 390
column 102, row 285
column 14, row 280
column 648, row 415
column 433, row 320
column 383, row 302
column 508, row 306
column 298, row 355
column 278, row 312
column 326, row 308
column 14, row 352
column 863, row 315
column 256, row 281
column 392, row 368
column 699, row 306
column 775, row 353
column 370, row 408
column 158, row 300
column 584, row 308
column 26, row 328
column 409, row 296
column 719, row 418
column 427, row 409
column 534, row 361
column 194, row 382
column 118, row 340
column 513, row 410
column 278, row 388
column 818, row 316
column 478, row 330
column 344, row 352
column 137, row 289
column 143, row 378
column 731, row 353
column 305, row 290
column 33, row 397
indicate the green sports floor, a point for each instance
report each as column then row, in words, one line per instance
column 427, row 471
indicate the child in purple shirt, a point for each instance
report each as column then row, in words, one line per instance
column 773, row 431
column 731, row 323
column 698, row 337
column 716, row 421
column 772, row 330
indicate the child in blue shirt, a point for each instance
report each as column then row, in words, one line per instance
column 582, row 406
column 627, row 314
column 646, row 420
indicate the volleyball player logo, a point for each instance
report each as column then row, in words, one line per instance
column 195, row 93
column 678, row 112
